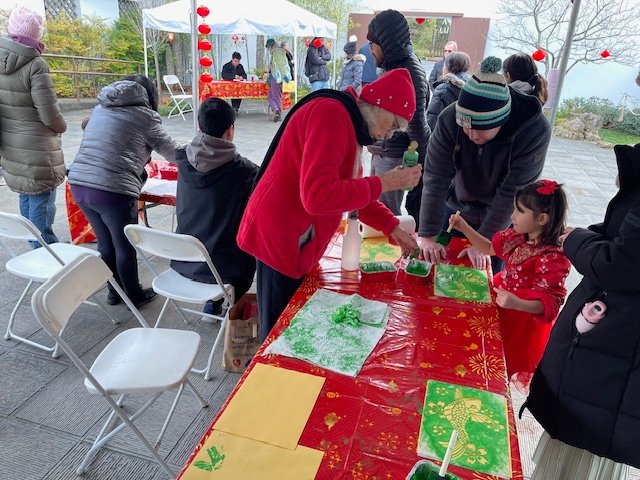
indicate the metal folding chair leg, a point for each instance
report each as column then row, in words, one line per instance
column 11, row 335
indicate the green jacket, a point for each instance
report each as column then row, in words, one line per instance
column 279, row 65
column 30, row 121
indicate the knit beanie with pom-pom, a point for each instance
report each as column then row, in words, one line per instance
column 485, row 100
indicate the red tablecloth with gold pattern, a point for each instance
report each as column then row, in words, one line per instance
column 231, row 89
column 379, row 411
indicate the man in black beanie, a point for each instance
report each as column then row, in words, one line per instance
column 391, row 48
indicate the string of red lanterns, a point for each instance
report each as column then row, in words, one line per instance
column 204, row 45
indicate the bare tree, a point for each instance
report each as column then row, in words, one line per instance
column 526, row 25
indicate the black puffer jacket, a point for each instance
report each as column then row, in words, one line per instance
column 118, row 140
column 586, row 390
column 390, row 30
column 315, row 65
column 445, row 92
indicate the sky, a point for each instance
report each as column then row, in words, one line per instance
column 470, row 8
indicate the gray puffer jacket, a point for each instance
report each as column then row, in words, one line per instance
column 352, row 72
column 118, row 140
column 30, row 121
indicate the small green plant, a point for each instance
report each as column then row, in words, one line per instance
column 612, row 120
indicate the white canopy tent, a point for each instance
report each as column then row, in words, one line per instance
column 245, row 17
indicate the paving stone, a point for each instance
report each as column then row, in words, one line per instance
column 23, row 375
column 28, row 452
column 150, row 423
column 106, row 465
column 65, row 405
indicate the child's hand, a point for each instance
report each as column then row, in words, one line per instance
column 506, row 299
column 458, row 222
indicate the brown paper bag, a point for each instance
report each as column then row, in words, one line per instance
column 242, row 336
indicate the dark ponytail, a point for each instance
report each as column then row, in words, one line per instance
column 521, row 66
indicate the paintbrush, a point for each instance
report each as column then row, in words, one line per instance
column 442, row 474
column 445, row 236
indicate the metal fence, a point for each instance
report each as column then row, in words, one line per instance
column 82, row 77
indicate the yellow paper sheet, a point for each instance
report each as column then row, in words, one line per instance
column 378, row 249
column 228, row 457
column 272, row 405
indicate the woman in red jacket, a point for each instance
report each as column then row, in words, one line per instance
column 313, row 176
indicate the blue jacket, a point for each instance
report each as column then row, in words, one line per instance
column 369, row 72
column 352, row 72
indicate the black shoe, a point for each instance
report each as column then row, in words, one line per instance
column 144, row 297
column 277, row 116
column 113, row 298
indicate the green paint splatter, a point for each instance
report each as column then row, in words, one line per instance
column 340, row 347
column 419, row 268
column 215, row 460
column 462, row 283
column 481, row 420
column 374, row 267
column 346, row 314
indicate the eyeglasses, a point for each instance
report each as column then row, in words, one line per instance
column 448, row 51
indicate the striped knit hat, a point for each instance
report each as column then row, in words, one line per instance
column 485, row 100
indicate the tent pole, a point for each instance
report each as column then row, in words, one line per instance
column 146, row 59
column 335, row 74
column 566, row 50
column 195, row 97
column 295, row 66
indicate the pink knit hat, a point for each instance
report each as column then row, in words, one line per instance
column 25, row 22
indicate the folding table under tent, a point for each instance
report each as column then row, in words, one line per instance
column 245, row 17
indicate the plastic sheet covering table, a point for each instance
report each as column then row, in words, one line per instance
column 242, row 90
column 368, row 426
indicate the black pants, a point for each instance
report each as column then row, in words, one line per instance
column 235, row 103
column 274, row 292
column 108, row 222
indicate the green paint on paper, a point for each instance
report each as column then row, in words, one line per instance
column 462, row 283
column 346, row 314
column 481, row 420
column 215, row 461
column 378, row 249
column 343, row 347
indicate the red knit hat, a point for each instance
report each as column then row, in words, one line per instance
column 393, row 92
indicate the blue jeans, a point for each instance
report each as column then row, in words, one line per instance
column 108, row 222
column 318, row 85
column 41, row 210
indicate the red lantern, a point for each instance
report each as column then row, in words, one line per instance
column 420, row 21
column 206, row 77
column 235, row 39
column 170, row 37
column 203, row 11
column 538, row 55
column 204, row 29
column 206, row 62
column 204, row 45
column 605, row 53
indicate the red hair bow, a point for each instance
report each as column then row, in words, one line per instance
column 548, row 187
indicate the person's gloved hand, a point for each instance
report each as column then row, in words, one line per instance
column 286, row 79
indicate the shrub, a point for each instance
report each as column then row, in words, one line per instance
column 609, row 112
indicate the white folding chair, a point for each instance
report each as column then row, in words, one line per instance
column 138, row 361
column 177, row 288
column 36, row 266
column 181, row 101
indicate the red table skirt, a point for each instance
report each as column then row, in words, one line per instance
column 231, row 89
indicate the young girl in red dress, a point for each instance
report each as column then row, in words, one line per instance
column 530, row 290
